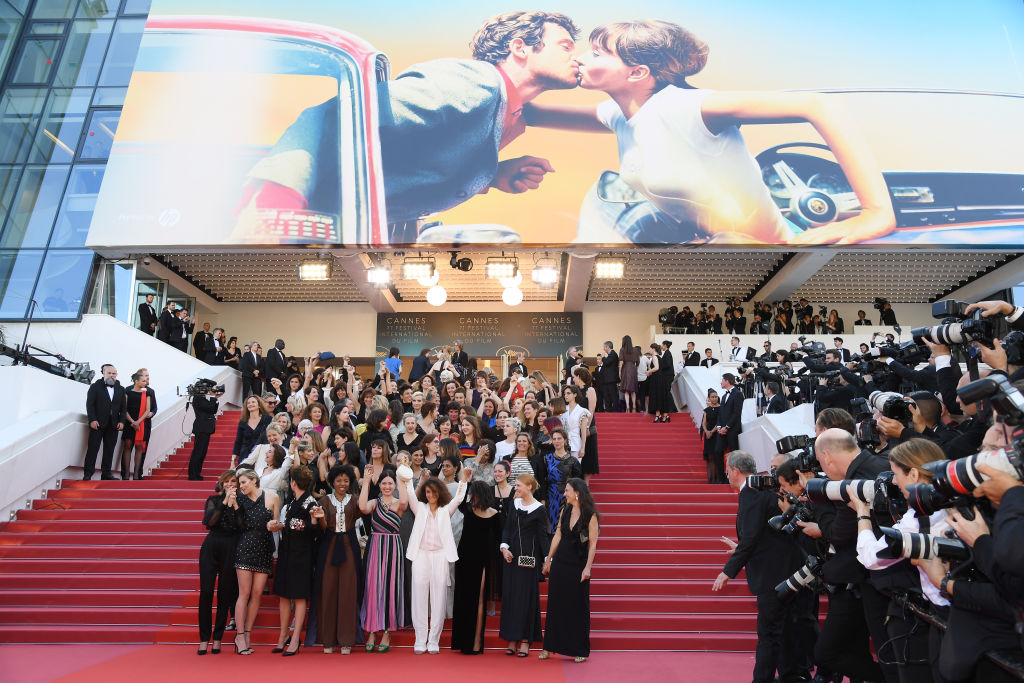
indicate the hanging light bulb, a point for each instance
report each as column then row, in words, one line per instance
column 437, row 295
column 512, row 296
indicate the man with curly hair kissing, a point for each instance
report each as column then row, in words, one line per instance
column 442, row 124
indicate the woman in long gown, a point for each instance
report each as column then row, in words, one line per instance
column 383, row 608
column 524, row 543
column 478, row 560
column 341, row 576
column 628, row 360
column 140, row 403
column 712, row 457
column 223, row 517
column 504, row 494
column 293, row 582
column 559, row 468
column 568, row 566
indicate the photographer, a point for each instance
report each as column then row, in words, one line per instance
column 769, row 557
column 887, row 317
column 203, row 427
column 925, row 412
column 777, row 403
column 857, row 610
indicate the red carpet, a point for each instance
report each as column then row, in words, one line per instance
column 116, row 562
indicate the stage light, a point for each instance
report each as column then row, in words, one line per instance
column 512, row 296
column 429, row 281
column 379, row 277
column 609, row 268
column 499, row 267
column 315, row 269
column 464, row 264
column 437, row 295
column 418, row 268
column 513, row 281
column 545, row 273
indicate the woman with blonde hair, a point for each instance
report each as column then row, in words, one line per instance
column 524, row 545
column 140, row 403
column 684, row 162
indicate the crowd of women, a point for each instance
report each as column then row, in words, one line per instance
column 372, row 509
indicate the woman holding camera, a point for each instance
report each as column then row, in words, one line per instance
column 293, row 581
column 223, row 518
column 524, row 542
column 140, row 403
column 568, row 566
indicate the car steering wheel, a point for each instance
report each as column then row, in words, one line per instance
column 809, row 207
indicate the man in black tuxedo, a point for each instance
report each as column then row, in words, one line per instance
column 730, row 416
column 738, row 353
column 887, row 316
column 250, row 366
column 147, row 316
column 803, row 308
column 520, row 357
column 862, row 319
column 105, row 408
column 737, row 322
column 167, row 318
column 844, row 353
column 572, row 359
column 275, row 362
column 770, row 557
column 212, row 347
column 714, row 321
column 180, row 329
column 691, row 358
column 610, row 378
column 420, row 366
column 777, row 403
column 199, row 341
column 708, row 360
column 203, row 427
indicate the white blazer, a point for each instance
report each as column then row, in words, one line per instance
column 444, row 524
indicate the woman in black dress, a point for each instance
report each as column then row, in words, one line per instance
column 568, row 566
column 504, row 492
column 586, row 398
column 664, row 405
column 141, row 407
column 222, row 516
column 254, row 553
column 230, row 355
column 252, row 428
column 478, row 559
column 523, row 543
column 712, row 457
column 296, row 552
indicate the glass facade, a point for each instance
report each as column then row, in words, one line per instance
column 65, row 66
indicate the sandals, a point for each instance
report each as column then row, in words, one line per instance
column 544, row 654
column 243, row 650
column 521, row 652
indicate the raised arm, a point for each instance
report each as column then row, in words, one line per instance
column 840, row 132
column 578, row 117
column 460, row 493
column 366, row 505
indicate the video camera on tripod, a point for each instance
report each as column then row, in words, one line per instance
column 202, row 387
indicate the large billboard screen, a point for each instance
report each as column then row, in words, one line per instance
column 258, row 122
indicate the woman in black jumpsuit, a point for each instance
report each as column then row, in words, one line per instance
column 217, row 560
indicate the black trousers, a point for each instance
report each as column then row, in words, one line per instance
column 844, row 642
column 610, row 395
column 195, row 462
column 250, row 386
column 108, row 437
column 216, row 569
column 907, row 646
column 776, row 640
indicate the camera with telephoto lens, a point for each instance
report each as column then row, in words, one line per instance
column 764, row 482
column 958, row 328
column 806, row 460
column 788, row 521
column 831, row 377
column 880, row 303
column 801, row 578
column 880, row 494
column 867, row 425
column 917, row 546
column 892, row 405
column 202, row 387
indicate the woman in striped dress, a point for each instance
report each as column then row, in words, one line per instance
column 383, row 608
column 523, row 460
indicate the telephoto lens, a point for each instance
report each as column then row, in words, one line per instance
column 800, row 579
column 820, row 490
column 959, row 477
column 925, row 499
column 916, row 546
column 779, row 522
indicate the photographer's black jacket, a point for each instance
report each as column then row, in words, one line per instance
column 206, row 415
column 926, row 378
column 1009, row 524
column 769, row 556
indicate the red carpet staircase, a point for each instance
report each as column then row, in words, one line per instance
column 116, row 562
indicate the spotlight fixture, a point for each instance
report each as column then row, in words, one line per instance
column 315, row 269
column 609, row 268
column 418, row 268
column 379, row 275
column 464, row 264
column 512, row 296
column 499, row 267
column 437, row 295
column 545, row 272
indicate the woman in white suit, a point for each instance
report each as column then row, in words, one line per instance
column 431, row 547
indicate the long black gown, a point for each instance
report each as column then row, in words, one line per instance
column 588, row 460
column 567, row 629
column 526, row 533
column 297, row 551
column 713, row 452
column 478, row 559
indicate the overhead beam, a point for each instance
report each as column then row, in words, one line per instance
column 1008, row 275
column 356, row 265
column 577, row 281
column 793, row 274
column 184, row 286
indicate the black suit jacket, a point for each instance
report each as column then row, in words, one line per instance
column 199, row 342
column 888, row 318
column 769, row 557
column 209, row 353
column 147, row 318
column 521, row 366
column 611, row 369
column 206, row 414
column 708, row 362
column 248, row 364
column 844, row 352
column 737, row 325
column 691, row 359
column 420, row 367
column 731, row 413
column 777, row 404
column 99, row 406
column 275, row 364
column 167, row 320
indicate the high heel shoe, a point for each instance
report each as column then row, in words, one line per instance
column 241, row 650
column 291, row 653
column 203, row 650
column 382, row 648
column 668, row 418
column 215, row 650
column 371, row 646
